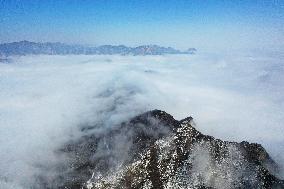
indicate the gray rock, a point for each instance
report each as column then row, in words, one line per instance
column 153, row 150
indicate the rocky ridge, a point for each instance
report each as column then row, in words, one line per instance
column 153, row 150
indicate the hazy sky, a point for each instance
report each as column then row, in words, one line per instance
column 182, row 24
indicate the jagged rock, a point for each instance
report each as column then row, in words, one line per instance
column 153, row 150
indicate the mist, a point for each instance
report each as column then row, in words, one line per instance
column 46, row 101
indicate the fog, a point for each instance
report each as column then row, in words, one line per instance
column 45, row 101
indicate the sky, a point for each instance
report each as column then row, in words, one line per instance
column 207, row 24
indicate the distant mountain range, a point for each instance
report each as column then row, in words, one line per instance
column 33, row 48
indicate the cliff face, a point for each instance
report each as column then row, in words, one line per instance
column 153, row 150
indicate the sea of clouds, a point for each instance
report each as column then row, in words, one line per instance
column 45, row 101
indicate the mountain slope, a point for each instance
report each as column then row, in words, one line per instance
column 153, row 150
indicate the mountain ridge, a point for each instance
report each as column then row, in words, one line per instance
column 155, row 151
column 57, row 48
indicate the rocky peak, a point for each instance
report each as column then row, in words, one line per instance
column 153, row 150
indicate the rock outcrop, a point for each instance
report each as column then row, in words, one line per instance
column 153, row 150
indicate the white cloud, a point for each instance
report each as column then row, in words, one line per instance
column 44, row 100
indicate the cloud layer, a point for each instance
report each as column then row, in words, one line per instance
column 45, row 101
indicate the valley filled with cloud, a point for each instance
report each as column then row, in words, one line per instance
column 46, row 101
